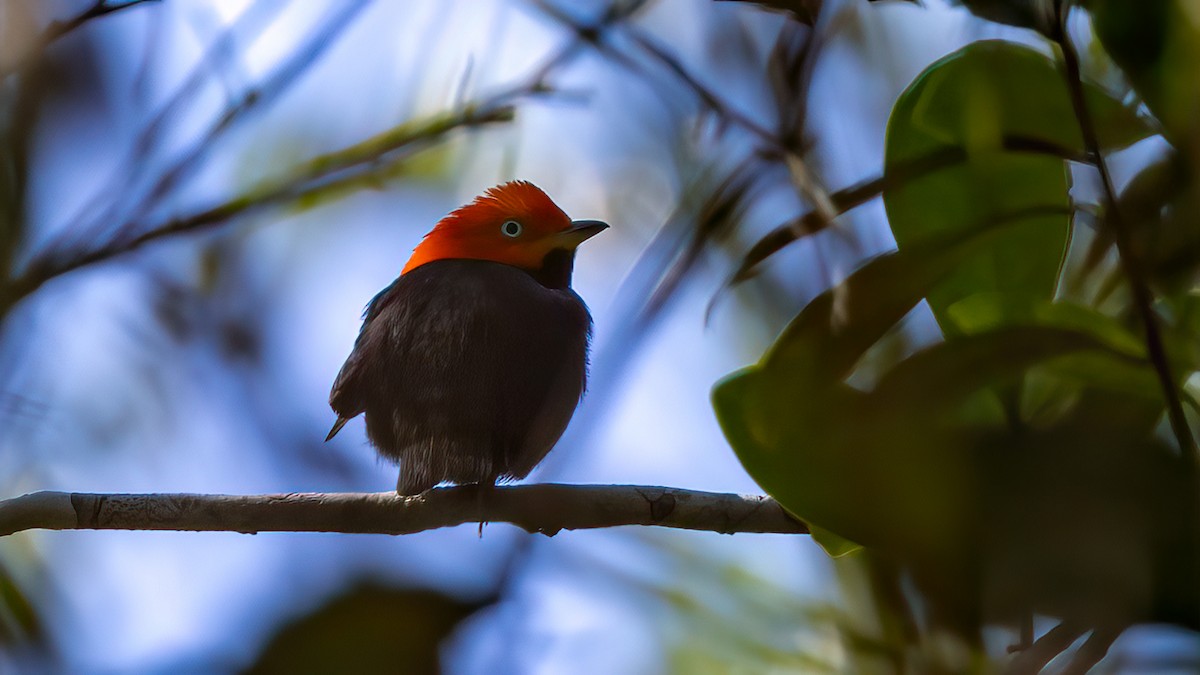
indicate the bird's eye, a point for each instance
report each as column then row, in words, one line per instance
column 511, row 228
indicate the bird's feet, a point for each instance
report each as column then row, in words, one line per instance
column 483, row 491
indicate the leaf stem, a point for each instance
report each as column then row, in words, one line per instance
column 1143, row 297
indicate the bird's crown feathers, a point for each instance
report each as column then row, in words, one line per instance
column 512, row 223
column 516, row 199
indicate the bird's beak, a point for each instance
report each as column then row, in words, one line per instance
column 579, row 232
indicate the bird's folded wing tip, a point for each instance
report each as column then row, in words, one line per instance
column 337, row 426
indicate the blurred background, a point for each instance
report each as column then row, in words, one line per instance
column 199, row 198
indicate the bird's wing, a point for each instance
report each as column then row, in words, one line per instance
column 347, row 397
column 430, row 391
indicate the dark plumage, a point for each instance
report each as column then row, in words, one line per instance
column 468, row 370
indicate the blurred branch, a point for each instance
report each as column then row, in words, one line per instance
column 792, row 154
column 804, row 11
column 709, row 99
column 98, row 9
column 186, row 162
column 593, row 34
column 103, row 209
column 321, row 175
column 785, row 144
column 58, row 29
column 710, row 208
column 1143, row 297
column 546, row 508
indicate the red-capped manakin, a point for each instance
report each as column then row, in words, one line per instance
column 469, row 366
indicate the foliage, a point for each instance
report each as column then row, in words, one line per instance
column 1019, row 465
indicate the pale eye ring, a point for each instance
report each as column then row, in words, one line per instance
column 512, row 228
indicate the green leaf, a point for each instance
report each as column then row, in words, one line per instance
column 1157, row 208
column 984, row 312
column 824, row 342
column 823, row 456
column 866, row 467
column 862, row 465
column 833, row 545
column 790, row 418
column 933, row 380
column 1157, row 44
column 972, row 101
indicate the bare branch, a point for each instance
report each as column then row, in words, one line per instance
column 546, row 508
column 1143, row 297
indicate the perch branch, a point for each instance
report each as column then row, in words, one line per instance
column 546, row 508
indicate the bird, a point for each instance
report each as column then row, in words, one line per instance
column 469, row 366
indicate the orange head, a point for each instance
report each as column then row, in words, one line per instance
column 515, row 223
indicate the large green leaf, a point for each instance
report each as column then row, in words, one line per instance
column 868, row 466
column 834, row 455
column 973, row 101
column 984, row 312
column 932, row 381
column 827, row 339
column 787, row 417
column 1157, row 44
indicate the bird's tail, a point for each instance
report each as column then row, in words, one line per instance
column 337, row 426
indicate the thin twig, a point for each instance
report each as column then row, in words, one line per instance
column 124, row 183
column 792, row 155
column 59, row 29
column 1056, row 641
column 776, row 145
column 706, row 96
column 98, row 9
column 546, row 508
column 1143, row 297
column 191, row 158
column 709, row 99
